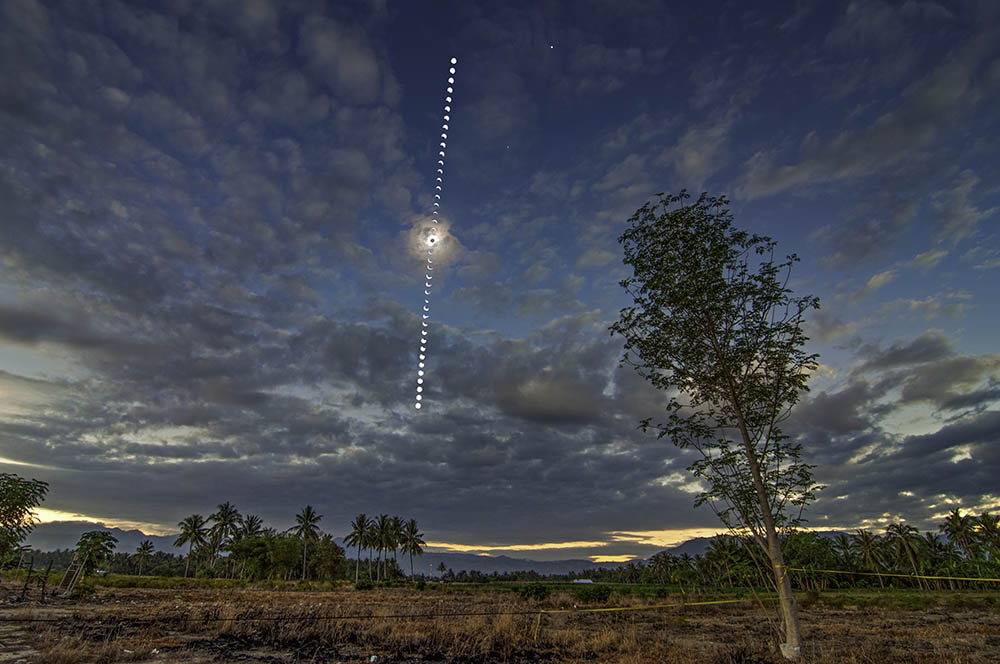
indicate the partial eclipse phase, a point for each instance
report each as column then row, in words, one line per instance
column 431, row 235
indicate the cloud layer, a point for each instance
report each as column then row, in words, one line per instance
column 207, row 283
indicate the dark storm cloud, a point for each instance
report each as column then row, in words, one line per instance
column 843, row 433
column 26, row 326
column 978, row 431
column 944, row 381
column 929, row 346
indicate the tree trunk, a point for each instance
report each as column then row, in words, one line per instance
column 305, row 543
column 357, row 567
column 789, row 609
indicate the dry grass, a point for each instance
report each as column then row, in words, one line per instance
column 215, row 625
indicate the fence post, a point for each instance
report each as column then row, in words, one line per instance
column 46, row 578
column 27, row 578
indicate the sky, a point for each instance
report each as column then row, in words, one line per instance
column 214, row 217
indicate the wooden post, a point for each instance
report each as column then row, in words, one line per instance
column 27, row 578
column 46, row 578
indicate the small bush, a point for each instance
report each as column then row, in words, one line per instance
column 420, row 584
column 810, row 599
column 538, row 591
column 592, row 593
column 83, row 588
column 364, row 584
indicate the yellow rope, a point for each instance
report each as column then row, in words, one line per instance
column 538, row 622
column 905, row 576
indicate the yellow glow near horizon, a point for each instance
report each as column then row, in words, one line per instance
column 660, row 538
column 468, row 548
column 612, row 559
column 665, row 538
column 46, row 515
column 5, row 460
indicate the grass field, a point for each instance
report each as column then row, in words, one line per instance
column 201, row 625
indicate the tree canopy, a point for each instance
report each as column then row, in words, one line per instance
column 714, row 326
column 18, row 497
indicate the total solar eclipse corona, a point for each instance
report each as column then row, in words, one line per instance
column 430, row 234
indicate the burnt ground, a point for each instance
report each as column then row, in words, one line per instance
column 197, row 627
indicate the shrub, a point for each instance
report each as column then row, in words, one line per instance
column 538, row 591
column 83, row 588
column 420, row 584
column 363, row 584
column 592, row 593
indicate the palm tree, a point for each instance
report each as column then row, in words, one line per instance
column 371, row 544
column 222, row 532
column 412, row 541
column 94, row 548
column 357, row 537
column 718, row 557
column 845, row 550
column 396, row 526
column 143, row 552
column 227, row 520
column 660, row 564
column 866, row 544
column 988, row 532
column 306, row 530
column 383, row 529
column 962, row 531
column 193, row 532
column 251, row 525
column 907, row 541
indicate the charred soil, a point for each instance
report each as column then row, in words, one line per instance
column 201, row 626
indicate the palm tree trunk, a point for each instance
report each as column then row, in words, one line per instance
column 358, row 566
column 411, row 564
column 305, row 543
column 187, row 563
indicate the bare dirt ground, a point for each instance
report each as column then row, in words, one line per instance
column 203, row 626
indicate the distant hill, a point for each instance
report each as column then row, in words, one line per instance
column 699, row 545
column 65, row 534
column 692, row 547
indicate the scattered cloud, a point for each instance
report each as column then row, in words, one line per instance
column 876, row 282
column 928, row 107
column 927, row 260
column 957, row 216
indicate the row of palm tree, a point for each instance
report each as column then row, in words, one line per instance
column 381, row 535
column 227, row 526
column 976, row 536
column 968, row 548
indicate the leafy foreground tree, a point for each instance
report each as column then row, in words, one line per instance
column 95, row 547
column 18, row 497
column 714, row 323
